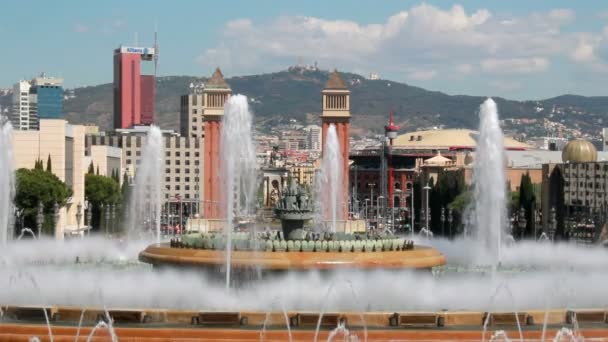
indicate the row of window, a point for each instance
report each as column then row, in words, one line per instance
column 186, row 196
column 178, row 162
column 179, row 170
column 178, row 179
column 178, row 154
column 178, row 187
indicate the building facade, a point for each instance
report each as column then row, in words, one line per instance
column 133, row 93
column 182, row 162
column 39, row 98
column 64, row 144
column 191, row 109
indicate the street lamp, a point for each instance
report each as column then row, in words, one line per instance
column 426, row 218
column 371, row 194
column 443, row 221
column 450, row 220
column 378, row 211
column 89, row 208
column 78, row 216
column 522, row 221
column 553, row 224
column 56, row 215
column 39, row 218
column 366, row 208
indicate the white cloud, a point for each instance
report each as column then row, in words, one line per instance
column 423, row 75
column 514, row 65
column 420, row 42
column 81, row 28
column 505, row 85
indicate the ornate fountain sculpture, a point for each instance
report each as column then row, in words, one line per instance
column 294, row 210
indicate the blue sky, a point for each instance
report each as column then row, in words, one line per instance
column 516, row 49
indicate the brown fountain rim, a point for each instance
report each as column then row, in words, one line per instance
column 420, row 257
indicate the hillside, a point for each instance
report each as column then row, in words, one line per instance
column 278, row 96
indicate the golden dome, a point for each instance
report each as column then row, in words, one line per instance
column 579, row 151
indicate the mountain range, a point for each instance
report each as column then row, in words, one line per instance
column 296, row 94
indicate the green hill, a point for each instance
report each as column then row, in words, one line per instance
column 296, row 93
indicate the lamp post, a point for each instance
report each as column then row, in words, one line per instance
column 107, row 214
column 371, row 194
column 412, row 214
column 366, row 208
column 426, row 218
column 56, row 215
column 39, row 218
column 450, row 220
column 78, row 216
column 378, row 211
column 443, row 221
column 522, row 222
column 89, row 217
column 553, row 228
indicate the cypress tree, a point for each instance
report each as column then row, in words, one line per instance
column 49, row 164
column 98, row 170
column 91, row 169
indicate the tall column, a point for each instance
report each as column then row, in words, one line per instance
column 215, row 94
column 336, row 111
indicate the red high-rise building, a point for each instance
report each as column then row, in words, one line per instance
column 133, row 93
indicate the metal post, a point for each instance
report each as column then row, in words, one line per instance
column 450, row 220
column 426, row 219
column 56, row 215
column 39, row 218
column 412, row 218
column 378, row 211
column 443, row 221
column 78, row 216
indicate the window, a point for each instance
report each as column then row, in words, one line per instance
column 167, row 170
column 187, row 179
column 177, row 187
column 177, row 170
column 138, row 153
column 196, row 154
column 167, row 162
column 128, row 153
column 128, row 161
column 187, row 161
column 187, row 154
column 168, row 187
column 196, row 162
column 187, row 187
column 177, row 154
column 167, row 179
column 177, row 162
column 187, row 195
column 194, row 117
column 168, row 154
column 187, row 170
column 177, row 179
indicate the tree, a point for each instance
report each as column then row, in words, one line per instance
column 527, row 200
column 449, row 185
column 38, row 164
column 97, row 170
column 100, row 190
column 91, row 169
column 38, row 186
column 49, row 167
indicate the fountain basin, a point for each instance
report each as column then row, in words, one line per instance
column 420, row 257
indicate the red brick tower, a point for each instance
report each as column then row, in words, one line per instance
column 215, row 94
column 336, row 110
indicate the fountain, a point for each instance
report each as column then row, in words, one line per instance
column 237, row 167
column 488, row 211
column 329, row 180
column 145, row 202
column 316, row 284
column 7, row 183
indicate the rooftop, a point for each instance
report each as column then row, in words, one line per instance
column 448, row 138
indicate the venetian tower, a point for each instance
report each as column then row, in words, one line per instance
column 215, row 95
column 336, row 110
